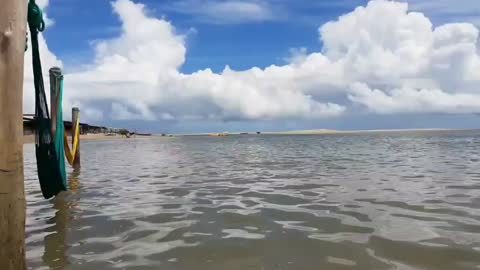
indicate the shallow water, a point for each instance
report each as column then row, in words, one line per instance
column 373, row 201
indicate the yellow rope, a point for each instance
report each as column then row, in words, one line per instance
column 76, row 139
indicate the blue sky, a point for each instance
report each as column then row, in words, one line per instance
column 211, row 42
column 242, row 35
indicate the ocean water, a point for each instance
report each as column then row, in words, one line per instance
column 371, row 201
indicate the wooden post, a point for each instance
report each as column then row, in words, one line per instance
column 75, row 113
column 55, row 77
column 13, row 18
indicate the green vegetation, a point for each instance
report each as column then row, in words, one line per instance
column 124, row 132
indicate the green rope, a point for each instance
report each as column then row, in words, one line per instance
column 35, row 17
column 49, row 163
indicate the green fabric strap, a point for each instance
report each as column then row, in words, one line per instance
column 59, row 137
column 49, row 162
column 35, row 17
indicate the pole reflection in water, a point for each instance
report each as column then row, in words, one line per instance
column 56, row 243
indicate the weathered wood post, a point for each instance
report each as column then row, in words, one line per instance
column 13, row 19
column 75, row 114
column 55, row 77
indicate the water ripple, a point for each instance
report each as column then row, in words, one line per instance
column 379, row 201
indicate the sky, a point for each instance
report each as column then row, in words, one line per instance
column 184, row 66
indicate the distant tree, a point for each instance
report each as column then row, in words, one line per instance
column 124, row 132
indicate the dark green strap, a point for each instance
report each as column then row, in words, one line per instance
column 50, row 175
column 35, row 18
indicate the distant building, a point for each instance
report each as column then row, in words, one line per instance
column 29, row 127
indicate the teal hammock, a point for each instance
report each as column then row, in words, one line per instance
column 49, row 150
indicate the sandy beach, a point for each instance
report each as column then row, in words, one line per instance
column 88, row 137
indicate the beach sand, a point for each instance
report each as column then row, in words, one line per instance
column 87, row 137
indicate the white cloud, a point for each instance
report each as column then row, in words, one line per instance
column 230, row 11
column 414, row 100
column 395, row 51
column 48, row 60
column 138, row 71
column 381, row 57
column 121, row 112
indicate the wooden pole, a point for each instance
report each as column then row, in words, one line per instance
column 55, row 77
column 75, row 114
column 13, row 18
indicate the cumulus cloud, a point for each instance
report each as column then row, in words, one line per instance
column 381, row 57
column 414, row 100
column 48, row 60
column 138, row 71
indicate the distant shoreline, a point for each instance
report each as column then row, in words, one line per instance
column 327, row 131
column 337, row 132
column 29, row 139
